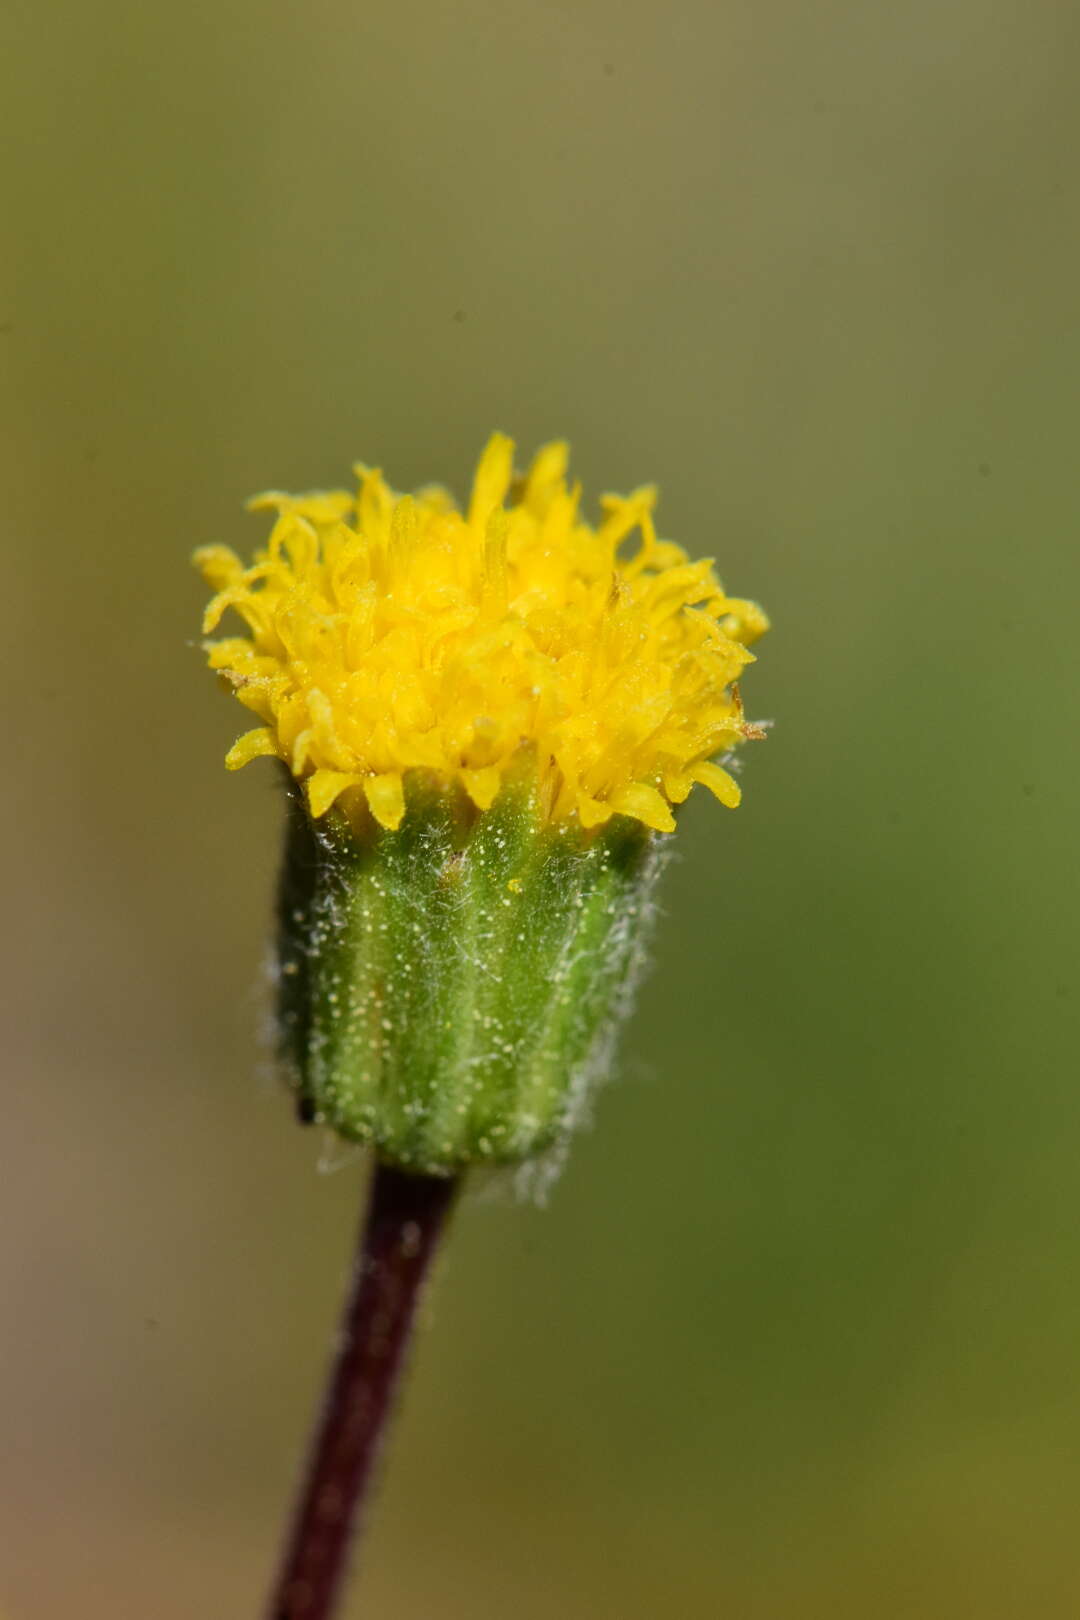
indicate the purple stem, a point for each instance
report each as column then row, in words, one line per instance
column 398, row 1236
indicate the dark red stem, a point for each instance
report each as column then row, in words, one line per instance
column 398, row 1236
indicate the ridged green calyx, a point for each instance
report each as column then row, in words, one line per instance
column 449, row 990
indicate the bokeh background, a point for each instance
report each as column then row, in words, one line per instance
column 797, row 1335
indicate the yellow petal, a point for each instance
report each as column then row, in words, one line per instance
column 645, row 804
column 215, row 609
column 386, row 798
column 718, row 781
column 677, row 785
column 482, row 786
column 492, row 480
column 300, row 749
column 744, row 620
column 218, row 566
column 547, row 473
column 318, row 506
column 403, row 532
column 252, row 745
column 592, row 812
column 323, row 787
column 494, row 587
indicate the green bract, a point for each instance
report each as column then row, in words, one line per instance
column 450, row 991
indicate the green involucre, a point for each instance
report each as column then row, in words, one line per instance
column 450, row 991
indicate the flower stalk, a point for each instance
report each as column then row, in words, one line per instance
column 399, row 1235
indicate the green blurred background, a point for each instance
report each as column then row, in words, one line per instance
column 797, row 1335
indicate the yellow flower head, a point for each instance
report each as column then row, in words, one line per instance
column 394, row 633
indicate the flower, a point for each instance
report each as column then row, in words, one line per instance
column 390, row 634
column 489, row 716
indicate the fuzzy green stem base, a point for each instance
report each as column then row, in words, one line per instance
column 400, row 1232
